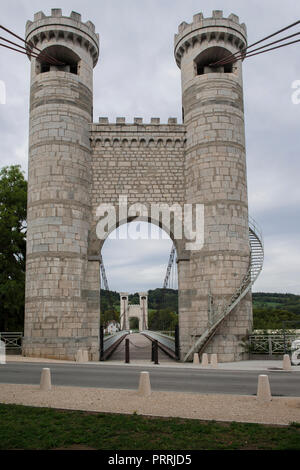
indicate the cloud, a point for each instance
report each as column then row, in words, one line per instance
column 137, row 77
column 281, row 268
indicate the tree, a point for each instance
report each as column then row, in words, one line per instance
column 164, row 319
column 13, row 198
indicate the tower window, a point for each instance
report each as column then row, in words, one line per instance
column 67, row 60
column 204, row 61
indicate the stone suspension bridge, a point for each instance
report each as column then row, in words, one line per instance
column 144, row 343
column 200, row 161
column 78, row 167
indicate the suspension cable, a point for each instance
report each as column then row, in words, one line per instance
column 250, row 53
column 33, row 54
column 31, row 45
column 266, row 50
column 255, row 43
column 17, row 50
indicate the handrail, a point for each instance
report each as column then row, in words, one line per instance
column 255, row 267
column 111, row 343
column 165, row 343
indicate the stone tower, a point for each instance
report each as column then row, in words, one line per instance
column 76, row 166
column 62, row 286
column 139, row 311
column 215, row 175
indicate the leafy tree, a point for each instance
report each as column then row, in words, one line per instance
column 163, row 320
column 272, row 318
column 134, row 323
column 109, row 309
column 13, row 197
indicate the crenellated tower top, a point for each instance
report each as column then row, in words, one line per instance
column 56, row 29
column 216, row 29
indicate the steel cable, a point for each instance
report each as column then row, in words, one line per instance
column 43, row 54
column 232, row 56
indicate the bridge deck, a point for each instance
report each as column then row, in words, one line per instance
column 140, row 349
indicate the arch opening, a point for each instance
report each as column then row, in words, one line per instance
column 207, row 57
column 69, row 60
column 136, row 268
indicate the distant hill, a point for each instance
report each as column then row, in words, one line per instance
column 289, row 302
column 271, row 310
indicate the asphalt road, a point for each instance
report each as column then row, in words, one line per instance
column 162, row 378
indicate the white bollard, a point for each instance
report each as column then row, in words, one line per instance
column 263, row 389
column 45, row 383
column 214, row 361
column 79, row 356
column 196, row 358
column 85, row 355
column 144, row 384
column 286, row 364
column 204, row 360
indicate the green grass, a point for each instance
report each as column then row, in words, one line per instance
column 23, row 427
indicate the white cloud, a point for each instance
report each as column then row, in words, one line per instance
column 281, row 267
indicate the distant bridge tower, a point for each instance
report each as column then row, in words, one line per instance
column 134, row 311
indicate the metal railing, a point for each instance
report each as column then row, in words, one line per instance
column 217, row 317
column 12, row 340
column 165, row 343
column 271, row 344
column 110, row 343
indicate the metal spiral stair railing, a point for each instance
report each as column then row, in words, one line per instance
column 255, row 267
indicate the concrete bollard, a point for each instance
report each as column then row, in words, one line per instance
column 286, row 363
column 45, row 383
column 263, row 389
column 79, row 356
column 85, row 355
column 214, row 361
column 144, row 384
column 196, row 358
column 204, row 360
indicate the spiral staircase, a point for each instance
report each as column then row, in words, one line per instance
column 255, row 267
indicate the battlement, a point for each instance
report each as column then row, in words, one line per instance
column 57, row 13
column 216, row 27
column 137, row 120
column 68, row 28
column 217, row 19
column 137, row 133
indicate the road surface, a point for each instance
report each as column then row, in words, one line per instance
column 162, row 378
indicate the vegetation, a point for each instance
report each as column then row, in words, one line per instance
column 13, row 197
column 163, row 320
column 270, row 310
column 162, row 308
column 24, row 427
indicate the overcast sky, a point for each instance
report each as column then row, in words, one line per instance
column 136, row 46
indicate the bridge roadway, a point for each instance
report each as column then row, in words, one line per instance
column 163, row 377
column 139, row 348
